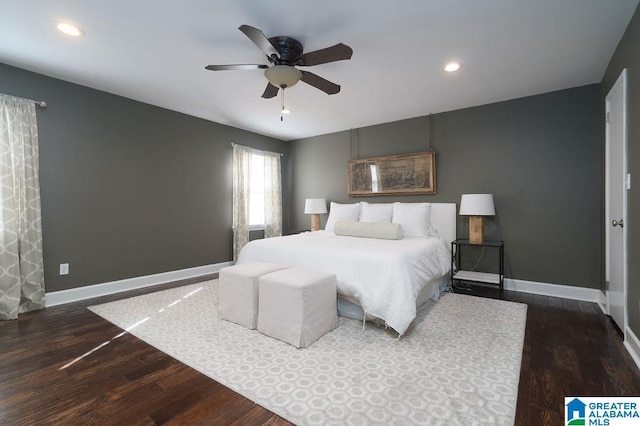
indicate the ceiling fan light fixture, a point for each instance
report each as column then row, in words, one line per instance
column 283, row 75
column 285, row 111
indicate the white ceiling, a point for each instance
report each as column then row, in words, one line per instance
column 155, row 52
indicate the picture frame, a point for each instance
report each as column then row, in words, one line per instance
column 392, row 175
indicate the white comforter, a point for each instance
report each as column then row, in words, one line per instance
column 385, row 276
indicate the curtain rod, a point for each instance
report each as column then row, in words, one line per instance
column 261, row 150
column 41, row 104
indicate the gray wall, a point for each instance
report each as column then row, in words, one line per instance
column 537, row 155
column 129, row 189
column 626, row 56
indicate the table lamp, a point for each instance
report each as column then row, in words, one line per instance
column 315, row 207
column 476, row 206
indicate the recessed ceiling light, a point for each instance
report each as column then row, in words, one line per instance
column 452, row 66
column 69, row 29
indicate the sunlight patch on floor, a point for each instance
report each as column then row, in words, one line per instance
column 142, row 321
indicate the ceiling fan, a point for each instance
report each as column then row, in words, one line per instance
column 284, row 55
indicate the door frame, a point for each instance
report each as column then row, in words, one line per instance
column 620, row 84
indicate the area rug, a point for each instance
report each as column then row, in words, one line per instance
column 458, row 363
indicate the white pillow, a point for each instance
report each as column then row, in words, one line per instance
column 379, row 213
column 414, row 218
column 385, row 231
column 342, row 212
column 433, row 231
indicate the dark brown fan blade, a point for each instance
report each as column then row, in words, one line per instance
column 270, row 92
column 339, row 52
column 260, row 40
column 320, row 83
column 235, row 67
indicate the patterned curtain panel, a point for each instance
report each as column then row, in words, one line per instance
column 242, row 156
column 272, row 195
column 21, row 268
column 241, row 192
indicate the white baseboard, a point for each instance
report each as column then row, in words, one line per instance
column 61, row 297
column 87, row 292
column 555, row 290
column 632, row 343
column 602, row 302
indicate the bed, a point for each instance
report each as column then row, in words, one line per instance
column 387, row 279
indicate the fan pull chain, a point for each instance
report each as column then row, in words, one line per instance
column 283, row 109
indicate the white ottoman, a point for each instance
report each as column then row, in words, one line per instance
column 238, row 291
column 297, row 306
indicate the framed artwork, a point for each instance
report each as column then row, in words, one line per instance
column 397, row 174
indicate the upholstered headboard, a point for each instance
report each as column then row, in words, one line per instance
column 443, row 217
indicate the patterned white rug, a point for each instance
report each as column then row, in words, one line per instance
column 459, row 362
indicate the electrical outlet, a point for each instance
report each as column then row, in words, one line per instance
column 64, row 269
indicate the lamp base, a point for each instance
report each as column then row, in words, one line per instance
column 315, row 222
column 476, row 230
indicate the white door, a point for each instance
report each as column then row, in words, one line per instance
column 616, row 197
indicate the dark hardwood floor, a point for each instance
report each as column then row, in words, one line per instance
column 571, row 348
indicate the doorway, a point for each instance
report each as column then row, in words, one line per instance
column 617, row 181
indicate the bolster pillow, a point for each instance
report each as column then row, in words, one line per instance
column 386, row 231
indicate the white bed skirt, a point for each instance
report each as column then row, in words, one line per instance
column 349, row 307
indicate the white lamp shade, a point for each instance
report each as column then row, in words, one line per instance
column 283, row 75
column 315, row 206
column 477, row 205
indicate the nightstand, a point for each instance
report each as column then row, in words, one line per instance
column 493, row 278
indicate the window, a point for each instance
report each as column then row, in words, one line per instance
column 256, row 192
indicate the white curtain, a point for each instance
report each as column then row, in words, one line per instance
column 21, row 266
column 272, row 195
column 241, row 195
column 241, row 192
